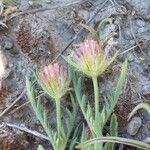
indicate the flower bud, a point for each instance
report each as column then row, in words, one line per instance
column 89, row 58
column 54, row 76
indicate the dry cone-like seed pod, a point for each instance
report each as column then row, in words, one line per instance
column 23, row 37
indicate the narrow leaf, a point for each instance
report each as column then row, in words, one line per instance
column 120, row 140
column 140, row 106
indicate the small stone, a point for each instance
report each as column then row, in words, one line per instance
column 134, row 125
column 140, row 23
column 141, row 30
column 128, row 35
column 147, row 140
column 8, row 44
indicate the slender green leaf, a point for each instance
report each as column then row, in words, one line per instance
column 140, row 106
column 113, row 130
column 113, row 96
column 39, row 110
column 91, row 30
column 120, row 140
column 114, row 126
column 8, row 1
column 76, row 136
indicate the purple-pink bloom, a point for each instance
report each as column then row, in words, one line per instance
column 89, row 58
column 55, row 78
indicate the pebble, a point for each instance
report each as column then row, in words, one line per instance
column 134, row 125
column 8, row 44
column 140, row 23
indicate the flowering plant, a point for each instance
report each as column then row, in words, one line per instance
column 54, row 80
column 92, row 58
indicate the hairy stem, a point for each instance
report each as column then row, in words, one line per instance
column 96, row 96
column 58, row 115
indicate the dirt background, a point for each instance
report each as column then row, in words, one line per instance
column 34, row 39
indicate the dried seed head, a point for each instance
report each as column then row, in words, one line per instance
column 23, row 37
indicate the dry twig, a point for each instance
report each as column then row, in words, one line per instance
column 41, row 9
column 33, row 132
column 13, row 103
column 80, row 31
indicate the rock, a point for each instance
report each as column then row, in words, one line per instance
column 134, row 125
column 147, row 140
column 8, row 44
column 140, row 23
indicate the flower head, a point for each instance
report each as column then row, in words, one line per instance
column 54, row 76
column 89, row 58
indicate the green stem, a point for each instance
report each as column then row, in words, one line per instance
column 96, row 95
column 58, row 115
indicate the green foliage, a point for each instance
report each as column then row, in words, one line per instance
column 76, row 136
column 113, row 132
column 140, row 106
column 95, row 118
column 130, row 142
column 8, row 1
column 97, row 123
column 39, row 110
column 57, row 141
column 113, row 96
column 96, row 33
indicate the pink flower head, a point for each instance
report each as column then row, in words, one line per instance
column 89, row 58
column 54, row 76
